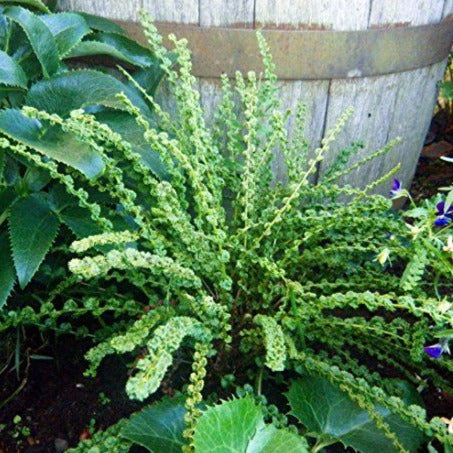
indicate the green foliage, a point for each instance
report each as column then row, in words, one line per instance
column 331, row 416
column 7, row 274
column 109, row 441
column 241, row 275
column 33, row 227
column 232, row 426
column 158, row 427
column 238, row 426
column 41, row 66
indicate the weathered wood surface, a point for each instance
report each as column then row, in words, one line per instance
column 385, row 106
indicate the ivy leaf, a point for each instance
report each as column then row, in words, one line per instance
column 158, row 427
column 78, row 89
column 329, row 413
column 238, row 426
column 40, row 37
column 68, row 30
column 33, row 227
column 37, row 4
column 7, row 274
column 52, row 142
column 11, row 74
column 102, row 24
column 116, row 46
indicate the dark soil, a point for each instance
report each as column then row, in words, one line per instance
column 432, row 172
column 59, row 406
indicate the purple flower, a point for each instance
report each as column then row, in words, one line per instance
column 396, row 188
column 434, row 351
column 443, row 217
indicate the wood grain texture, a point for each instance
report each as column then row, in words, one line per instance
column 180, row 11
column 224, row 13
column 315, row 14
column 122, row 10
column 415, row 99
column 373, row 100
column 416, row 12
column 314, row 94
column 448, row 8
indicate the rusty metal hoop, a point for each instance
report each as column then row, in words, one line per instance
column 312, row 54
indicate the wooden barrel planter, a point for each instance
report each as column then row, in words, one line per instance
column 383, row 57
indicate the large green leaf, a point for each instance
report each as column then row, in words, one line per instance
column 116, row 46
column 7, row 274
column 33, row 227
column 237, row 426
column 35, row 179
column 329, row 413
column 127, row 127
column 78, row 89
column 78, row 220
column 11, row 74
column 40, row 37
column 37, row 4
column 446, row 90
column 158, row 427
column 68, row 30
column 52, row 142
column 7, row 196
column 149, row 78
column 102, row 24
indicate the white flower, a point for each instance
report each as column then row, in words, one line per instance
column 449, row 246
column 444, row 306
column 415, row 230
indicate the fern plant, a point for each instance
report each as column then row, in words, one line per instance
column 249, row 276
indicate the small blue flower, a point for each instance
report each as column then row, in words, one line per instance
column 443, row 217
column 434, row 351
column 396, row 188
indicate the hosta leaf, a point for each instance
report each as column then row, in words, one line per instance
column 33, row 227
column 238, row 426
column 328, row 412
column 37, row 4
column 52, row 142
column 11, row 74
column 78, row 89
column 67, row 28
column 125, row 124
column 158, row 427
column 116, row 46
column 7, row 274
column 40, row 37
column 102, row 24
